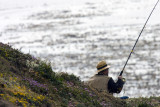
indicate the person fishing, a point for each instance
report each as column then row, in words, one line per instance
column 102, row 82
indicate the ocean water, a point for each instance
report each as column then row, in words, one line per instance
column 74, row 35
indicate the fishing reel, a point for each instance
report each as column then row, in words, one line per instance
column 123, row 79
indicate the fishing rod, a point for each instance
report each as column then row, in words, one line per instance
column 138, row 38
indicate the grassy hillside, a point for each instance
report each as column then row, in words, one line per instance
column 27, row 81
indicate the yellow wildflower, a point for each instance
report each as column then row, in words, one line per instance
column 1, row 94
column 41, row 97
column 19, row 87
column 1, row 75
column 34, row 99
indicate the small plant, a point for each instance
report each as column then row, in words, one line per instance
column 71, row 78
column 144, row 105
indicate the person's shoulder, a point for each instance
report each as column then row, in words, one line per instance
column 102, row 76
column 109, row 77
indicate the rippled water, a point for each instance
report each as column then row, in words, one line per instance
column 75, row 35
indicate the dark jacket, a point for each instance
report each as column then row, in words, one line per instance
column 115, row 87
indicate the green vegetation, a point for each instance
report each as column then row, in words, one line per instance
column 27, row 81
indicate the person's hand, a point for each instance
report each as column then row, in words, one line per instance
column 120, row 77
column 123, row 79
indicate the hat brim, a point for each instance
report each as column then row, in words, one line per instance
column 104, row 68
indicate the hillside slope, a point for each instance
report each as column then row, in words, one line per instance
column 27, row 81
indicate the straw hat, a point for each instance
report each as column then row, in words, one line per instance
column 102, row 65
